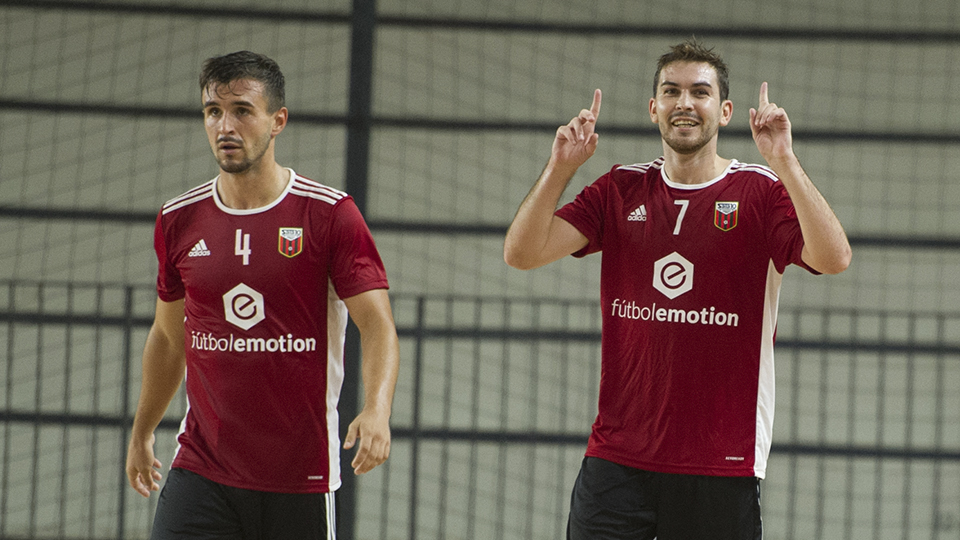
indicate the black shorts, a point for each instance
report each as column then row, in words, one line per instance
column 611, row 501
column 192, row 506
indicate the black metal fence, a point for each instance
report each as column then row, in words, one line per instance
column 493, row 407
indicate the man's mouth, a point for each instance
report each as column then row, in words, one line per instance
column 684, row 122
column 228, row 145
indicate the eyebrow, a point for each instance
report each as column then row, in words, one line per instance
column 239, row 103
column 696, row 84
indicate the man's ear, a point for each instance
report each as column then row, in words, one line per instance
column 279, row 121
column 726, row 112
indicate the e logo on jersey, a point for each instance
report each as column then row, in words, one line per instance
column 725, row 215
column 243, row 306
column 673, row 275
column 291, row 241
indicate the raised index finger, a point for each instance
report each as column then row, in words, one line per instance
column 764, row 96
column 595, row 107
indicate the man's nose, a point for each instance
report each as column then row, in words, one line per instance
column 685, row 101
column 225, row 125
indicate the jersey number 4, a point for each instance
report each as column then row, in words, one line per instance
column 242, row 247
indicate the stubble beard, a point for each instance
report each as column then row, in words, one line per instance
column 686, row 145
column 248, row 161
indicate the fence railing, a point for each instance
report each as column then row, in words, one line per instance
column 492, row 411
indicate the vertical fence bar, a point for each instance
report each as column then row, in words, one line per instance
column 852, row 390
column 445, row 424
column 504, row 422
column 385, row 499
column 67, row 377
column 474, row 426
column 791, row 513
column 37, row 399
column 880, row 435
column 822, row 420
column 562, row 418
column 419, row 336
column 8, row 404
column 362, row 23
column 125, row 405
column 533, row 418
column 938, row 422
column 908, row 435
column 94, row 430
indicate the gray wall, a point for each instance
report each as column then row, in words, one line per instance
column 875, row 116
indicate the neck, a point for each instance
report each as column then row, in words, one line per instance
column 696, row 168
column 253, row 188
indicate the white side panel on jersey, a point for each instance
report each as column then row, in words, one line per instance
column 765, row 383
column 336, row 336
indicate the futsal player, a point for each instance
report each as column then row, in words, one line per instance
column 259, row 269
column 694, row 246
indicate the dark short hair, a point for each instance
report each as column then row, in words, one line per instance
column 694, row 51
column 245, row 65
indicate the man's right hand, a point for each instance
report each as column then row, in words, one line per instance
column 142, row 466
column 537, row 236
column 577, row 141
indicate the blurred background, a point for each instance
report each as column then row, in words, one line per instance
column 437, row 116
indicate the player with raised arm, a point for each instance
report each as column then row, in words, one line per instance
column 694, row 247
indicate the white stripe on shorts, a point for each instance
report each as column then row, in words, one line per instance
column 331, row 516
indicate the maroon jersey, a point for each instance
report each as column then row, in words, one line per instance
column 690, row 281
column 265, row 330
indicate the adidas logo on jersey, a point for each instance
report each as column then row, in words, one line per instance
column 640, row 214
column 199, row 250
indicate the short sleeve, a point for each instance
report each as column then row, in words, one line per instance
column 169, row 282
column 586, row 213
column 355, row 265
column 784, row 237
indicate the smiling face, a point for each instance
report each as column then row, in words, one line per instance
column 239, row 126
column 688, row 107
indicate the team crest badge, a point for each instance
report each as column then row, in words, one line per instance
column 725, row 215
column 291, row 241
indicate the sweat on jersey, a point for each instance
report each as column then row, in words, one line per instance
column 690, row 283
column 264, row 330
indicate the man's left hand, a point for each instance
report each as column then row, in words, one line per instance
column 373, row 430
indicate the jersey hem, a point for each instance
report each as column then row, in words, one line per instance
column 253, row 486
column 673, row 468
